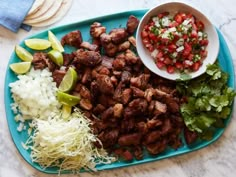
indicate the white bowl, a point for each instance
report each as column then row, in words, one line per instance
column 173, row 8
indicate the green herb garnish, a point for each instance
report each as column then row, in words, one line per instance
column 209, row 101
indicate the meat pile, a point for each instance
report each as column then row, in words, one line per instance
column 131, row 108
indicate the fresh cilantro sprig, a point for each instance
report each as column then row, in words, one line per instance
column 209, row 100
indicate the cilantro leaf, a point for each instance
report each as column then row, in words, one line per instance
column 209, row 101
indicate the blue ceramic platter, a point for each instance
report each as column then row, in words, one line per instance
column 110, row 21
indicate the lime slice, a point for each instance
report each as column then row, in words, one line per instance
column 66, row 111
column 56, row 44
column 37, row 44
column 67, row 99
column 56, row 57
column 21, row 68
column 69, row 80
column 23, row 54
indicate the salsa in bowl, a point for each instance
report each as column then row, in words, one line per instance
column 175, row 40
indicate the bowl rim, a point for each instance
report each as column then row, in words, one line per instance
column 163, row 73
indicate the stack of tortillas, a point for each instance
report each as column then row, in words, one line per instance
column 46, row 12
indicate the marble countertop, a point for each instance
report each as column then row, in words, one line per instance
column 218, row 159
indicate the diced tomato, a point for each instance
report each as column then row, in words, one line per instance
column 190, row 56
column 196, row 66
column 187, row 63
column 146, row 41
column 160, row 64
column 185, row 36
column 167, row 61
column 179, row 65
column 160, row 54
column 204, row 42
column 187, row 49
column 200, row 25
column 171, row 48
column 194, row 34
column 152, row 37
column 144, row 34
column 178, row 18
column 170, row 69
column 203, row 53
column 173, row 24
column 161, row 15
column 146, row 27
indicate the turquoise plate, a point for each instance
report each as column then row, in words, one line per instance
column 111, row 21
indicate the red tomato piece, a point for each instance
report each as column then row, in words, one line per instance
column 196, row 66
column 203, row 53
column 179, row 65
column 144, row 34
column 160, row 64
column 178, row 18
column 200, row 25
column 167, row 61
column 204, row 42
column 170, row 69
column 161, row 15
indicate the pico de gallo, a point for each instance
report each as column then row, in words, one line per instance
column 176, row 42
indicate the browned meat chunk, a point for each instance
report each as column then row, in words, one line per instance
column 160, row 108
column 107, row 62
column 110, row 49
column 68, row 58
column 40, row 61
column 98, row 109
column 132, row 24
column 105, row 39
column 109, row 138
column 166, row 127
column 172, row 104
column 118, row 35
column 152, row 136
column 104, row 84
column 130, row 139
column 190, row 136
column 132, row 40
column 125, row 77
column 157, row 147
column 87, row 58
column 118, row 64
column 126, row 95
column 73, row 38
column 85, row 104
column 142, row 127
column 57, row 76
column 141, row 81
column 130, row 57
column 88, row 46
column 137, row 93
column 136, row 107
column 118, row 110
column 149, row 93
column 138, row 152
column 97, row 29
column 118, row 93
column 124, row 46
column 127, row 125
column 87, row 76
column 106, row 100
column 107, row 114
column 127, row 155
column 153, row 123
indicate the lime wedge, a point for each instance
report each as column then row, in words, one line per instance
column 69, row 80
column 56, row 57
column 23, row 54
column 67, row 99
column 66, row 111
column 21, row 68
column 56, row 44
column 38, row 44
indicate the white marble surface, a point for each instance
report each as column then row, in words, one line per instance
column 218, row 159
